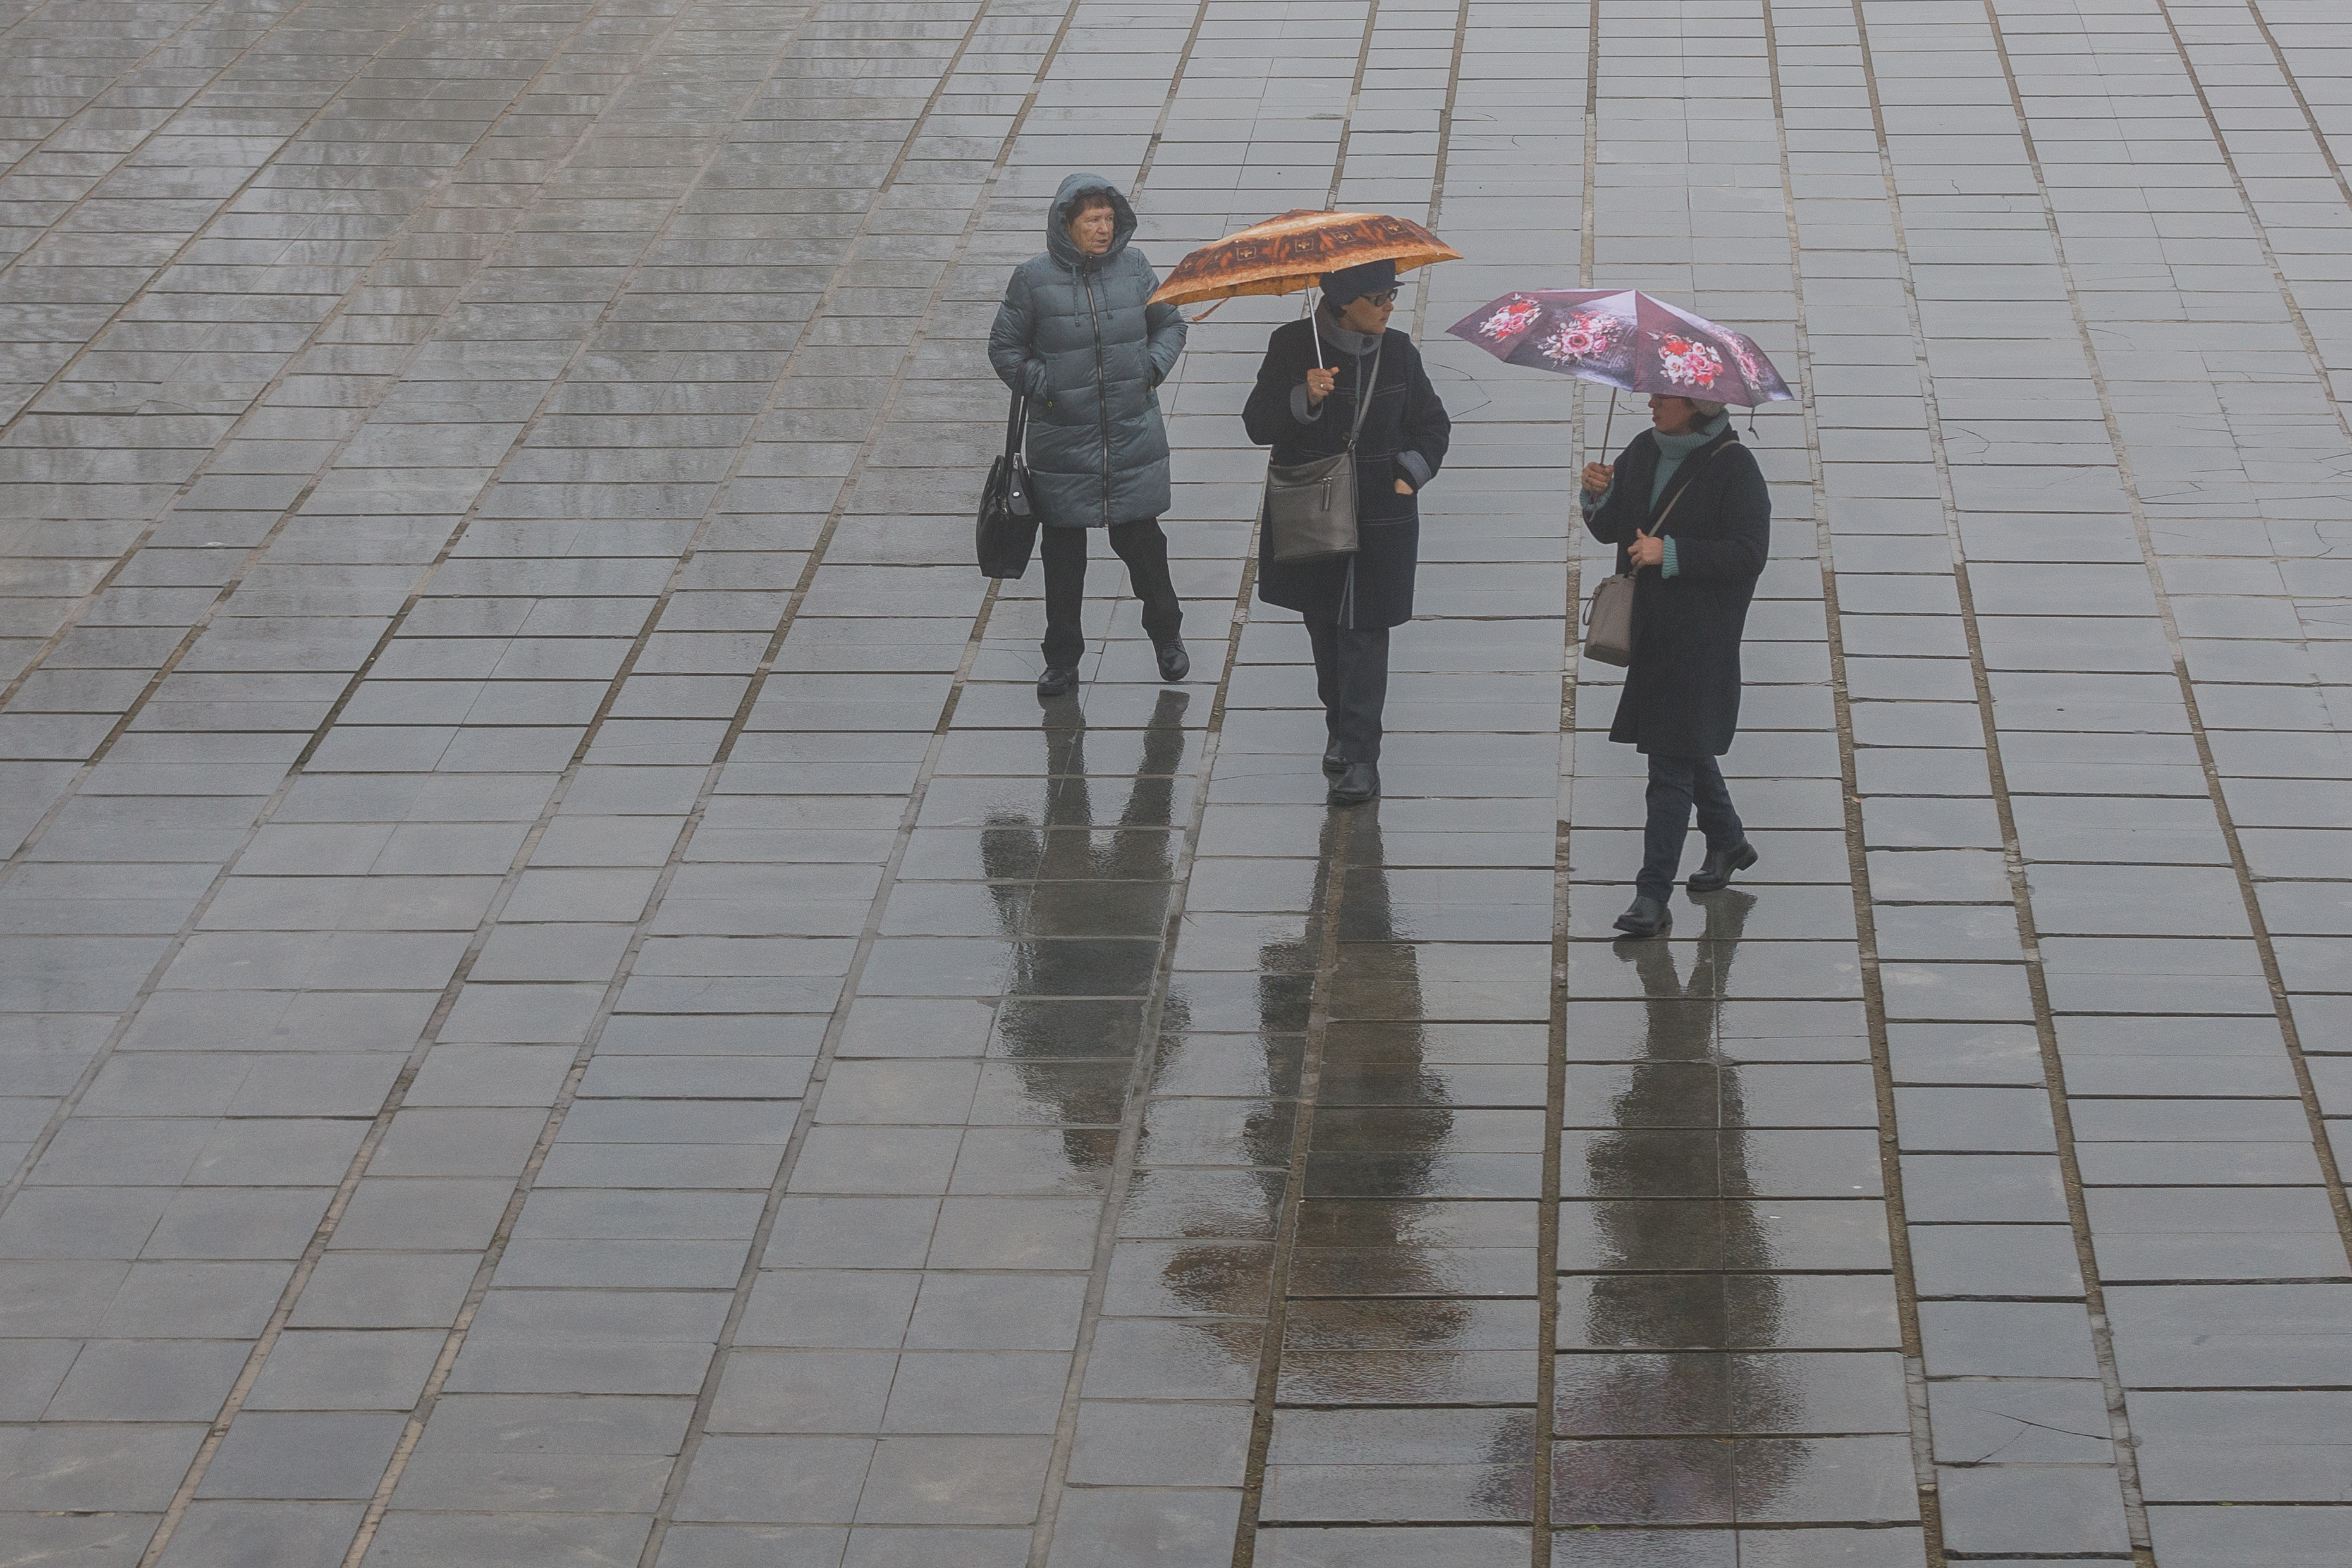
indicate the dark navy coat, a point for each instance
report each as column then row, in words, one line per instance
column 1076, row 335
column 1405, row 435
column 1682, row 691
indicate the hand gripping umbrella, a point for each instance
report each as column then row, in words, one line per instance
column 1626, row 341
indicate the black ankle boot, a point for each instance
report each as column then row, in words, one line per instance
column 1360, row 783
column 1057, row 681
column 1714, row 873
column 1334, row 765
column 1175, row 664
column 1646, row 917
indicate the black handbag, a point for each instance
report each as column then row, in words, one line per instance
column 1007, row 530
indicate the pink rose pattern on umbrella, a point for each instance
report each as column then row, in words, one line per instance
column 1609, row 335
column 1515, row 314
column 1688, row 364
column 1587, row 334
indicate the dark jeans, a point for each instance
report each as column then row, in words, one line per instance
column 1144, row 549
column 1351, row 677
column 1675, row 784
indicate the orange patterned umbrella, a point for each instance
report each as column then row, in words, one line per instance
column 1295, row 250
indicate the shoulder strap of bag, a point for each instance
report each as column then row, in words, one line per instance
column 1016, row 424
column 1717, row 444
column 1365, row 389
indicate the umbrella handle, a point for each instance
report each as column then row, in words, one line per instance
column 1609, row 424
column 1315, row 327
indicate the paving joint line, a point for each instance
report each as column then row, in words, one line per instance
column 829, row 1047
column 2254, row 217
column 1347, row 120
column 31, row 405
column 2123, row 1444
column 1168, row 103
column 1541, row 1501
column 2301, row 101
column 294, row 773
column 260, row 406
column 1903, row 1264
column 395, row 1099
column 2330, row 1170
column 1331, row 877
column 1135, row 1098
column 145, row 62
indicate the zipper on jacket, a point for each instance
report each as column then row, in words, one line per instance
column 1102, row 392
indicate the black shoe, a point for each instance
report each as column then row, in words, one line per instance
column 1334, row 765
column 1057, row 682
column 1175, row 664
column 1646, row 917
column 1360, row 783
column 1714, row 873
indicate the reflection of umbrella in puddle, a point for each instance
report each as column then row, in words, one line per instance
column 1681, row 1286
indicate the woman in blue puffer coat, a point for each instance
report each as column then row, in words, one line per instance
column 1076, row 336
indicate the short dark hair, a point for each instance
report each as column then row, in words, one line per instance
column 1086, row 202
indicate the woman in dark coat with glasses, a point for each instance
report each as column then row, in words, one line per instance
column 1690, row 514
column 1305, row 403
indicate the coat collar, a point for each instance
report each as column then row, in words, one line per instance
column 1341, row 338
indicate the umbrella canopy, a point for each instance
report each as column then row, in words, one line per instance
column 1625, row 339
column 1294, row 251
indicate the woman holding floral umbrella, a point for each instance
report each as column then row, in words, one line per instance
column 1687, row 507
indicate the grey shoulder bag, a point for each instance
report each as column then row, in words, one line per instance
column 1310, row 508
column 1609, row 616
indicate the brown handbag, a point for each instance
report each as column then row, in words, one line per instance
column 1609, row 615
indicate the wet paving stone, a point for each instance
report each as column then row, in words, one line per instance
column 565, row 998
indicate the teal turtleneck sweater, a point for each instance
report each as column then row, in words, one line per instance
column 1672, row 450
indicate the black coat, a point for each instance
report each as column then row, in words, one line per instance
column 1404, row 437
column 1682, row 691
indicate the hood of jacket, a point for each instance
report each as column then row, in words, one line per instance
column 1058, row 244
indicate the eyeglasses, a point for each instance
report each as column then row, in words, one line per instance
column 1387, row 297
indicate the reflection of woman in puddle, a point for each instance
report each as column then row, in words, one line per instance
column 1372, row 1311
column 1087, row 919
column 1681, row 1296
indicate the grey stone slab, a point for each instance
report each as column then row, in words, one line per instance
column 148, row 1380
column 335, row 1369
column 303, row 1456
column 265, row 1534
column 95, row 1468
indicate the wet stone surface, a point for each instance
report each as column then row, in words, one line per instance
column 565, row 1002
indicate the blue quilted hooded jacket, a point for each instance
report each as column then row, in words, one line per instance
column 1074, row 334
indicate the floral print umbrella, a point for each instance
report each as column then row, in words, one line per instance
column 1625, row 339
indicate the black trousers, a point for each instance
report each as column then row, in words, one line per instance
column 1351, row 677
column 1144, row 549
column 1677, row 783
